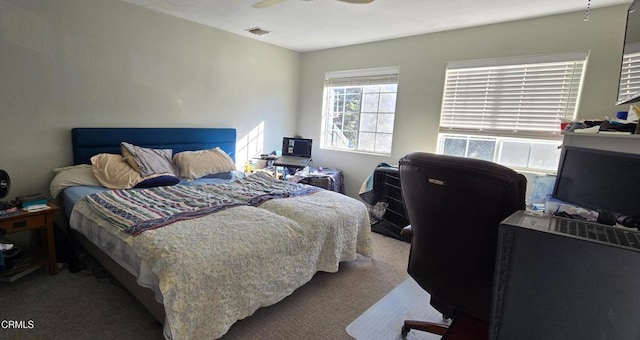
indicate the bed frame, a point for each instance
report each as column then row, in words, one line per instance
column 88, row 142
column 146, row 296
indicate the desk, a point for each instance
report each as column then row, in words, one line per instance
column 274, row 165
column 289, row 168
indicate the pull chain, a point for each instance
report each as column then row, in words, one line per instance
column 588, row 11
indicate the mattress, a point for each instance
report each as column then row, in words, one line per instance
column 115, row 247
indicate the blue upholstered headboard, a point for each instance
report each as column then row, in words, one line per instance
column 88, row 142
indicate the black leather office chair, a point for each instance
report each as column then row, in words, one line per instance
column 455, row 206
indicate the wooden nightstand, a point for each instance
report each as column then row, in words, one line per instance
column 42, row 222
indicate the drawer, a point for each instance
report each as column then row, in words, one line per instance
column 24, row 223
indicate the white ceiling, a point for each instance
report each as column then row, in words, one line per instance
column 318, row 24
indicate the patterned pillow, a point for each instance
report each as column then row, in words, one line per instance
column 148, row 161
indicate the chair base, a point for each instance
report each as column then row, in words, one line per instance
column 431, row 327
column 463, row 327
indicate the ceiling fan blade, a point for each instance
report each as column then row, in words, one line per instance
column 266, row 3
column 357, row 1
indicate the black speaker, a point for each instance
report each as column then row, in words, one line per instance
column 5, row 184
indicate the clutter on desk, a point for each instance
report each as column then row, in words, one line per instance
column 542, row 187
column 268, row 157
column 623, row 122
column 559, row 208
column 31, row 199
column 309, row 171
column 541, row 201
column 326, row 178
column 263, row 161
column 15, row 258
column 248, row 166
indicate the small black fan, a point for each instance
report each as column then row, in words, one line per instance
column 5, row 184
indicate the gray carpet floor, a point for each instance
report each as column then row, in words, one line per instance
column 93, row 306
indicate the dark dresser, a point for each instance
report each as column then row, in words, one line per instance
column 387, row 185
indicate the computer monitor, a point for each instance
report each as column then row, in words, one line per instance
column 298, row 147
column 605, row 181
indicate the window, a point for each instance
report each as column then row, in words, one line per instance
column 509, row 110
column 359, row 110
column 630, row 75
column 519, row 153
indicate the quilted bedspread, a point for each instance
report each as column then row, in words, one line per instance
column 136, row 211
column 221, row 267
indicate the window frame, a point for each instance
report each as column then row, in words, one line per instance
column 629, row 82
column 499, row 149
column 359, row 79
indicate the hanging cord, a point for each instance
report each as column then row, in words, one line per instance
column 588, row 11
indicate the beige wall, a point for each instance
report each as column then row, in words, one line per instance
column 106, row 63
column 422, row 60
column 75, row 63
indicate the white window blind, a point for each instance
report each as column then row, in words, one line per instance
column 630, row 73
column 524, row 97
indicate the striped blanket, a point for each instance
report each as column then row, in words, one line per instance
column 135, row 211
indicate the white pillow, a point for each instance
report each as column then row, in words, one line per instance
column 72, row 176
column 196, row 164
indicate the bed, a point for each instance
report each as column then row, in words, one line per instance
column 201, row 270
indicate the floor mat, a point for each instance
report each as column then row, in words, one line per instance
column 384, row 320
